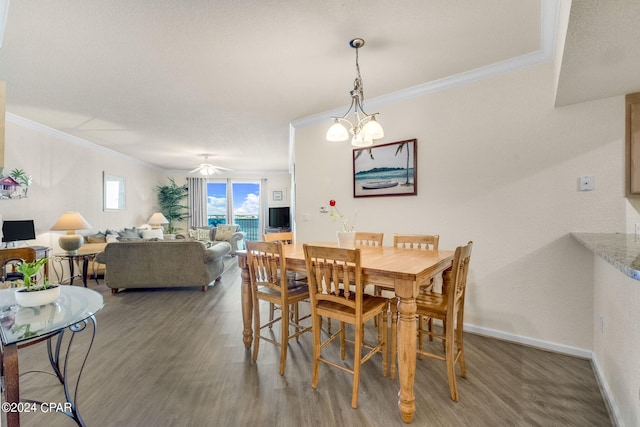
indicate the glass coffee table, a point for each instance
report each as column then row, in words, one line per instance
column 73, row 312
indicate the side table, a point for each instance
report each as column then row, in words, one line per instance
column 73, row 260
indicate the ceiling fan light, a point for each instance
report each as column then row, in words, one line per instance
column 337, row 132
column 373, row 129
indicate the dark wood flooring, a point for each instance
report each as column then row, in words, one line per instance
column 175, row 357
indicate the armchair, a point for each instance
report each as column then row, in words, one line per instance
column 229, row 233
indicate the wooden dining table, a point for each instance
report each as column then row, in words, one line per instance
column 399, row 270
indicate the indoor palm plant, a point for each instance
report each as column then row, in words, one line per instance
column 30, row 293
column 170, row 199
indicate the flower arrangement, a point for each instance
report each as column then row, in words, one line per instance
column 345, row 224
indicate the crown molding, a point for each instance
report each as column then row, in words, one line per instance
column 38, row 127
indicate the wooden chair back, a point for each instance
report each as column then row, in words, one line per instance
column 286, row 237
column 9, row 257
column 365, row 238
column 458, row 285
column 416, row 241
column 266, row 262
column 330, row 271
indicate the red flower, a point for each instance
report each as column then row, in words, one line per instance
column 332, row 203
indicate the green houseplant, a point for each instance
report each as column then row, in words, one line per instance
column 170, row 199
column 30, row 293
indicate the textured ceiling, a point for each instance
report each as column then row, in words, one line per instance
column 602, row 51
column 163, row 81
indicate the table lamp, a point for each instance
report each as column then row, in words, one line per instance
column 156, row 220
column 70, row 222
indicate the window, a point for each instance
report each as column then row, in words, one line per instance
column 235, row 202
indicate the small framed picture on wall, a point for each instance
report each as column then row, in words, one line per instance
column 277, row 195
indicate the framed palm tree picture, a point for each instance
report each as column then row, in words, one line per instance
column 386, row 170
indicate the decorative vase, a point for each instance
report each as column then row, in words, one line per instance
column 346, row 239
column 37, row 298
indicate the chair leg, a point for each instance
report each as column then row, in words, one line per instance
column 272, row 309
column 357, row 361
column 450, row 360
column 460, row 348
column 256, row 329
column 383, row 333
column 342, row 341
column 394, row 338
column 316, row 321
column 284, row 337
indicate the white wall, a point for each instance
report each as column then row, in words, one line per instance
column 616, row 345
column 497, row 164
column 67, row 176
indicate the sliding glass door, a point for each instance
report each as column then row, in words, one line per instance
column 235, row 202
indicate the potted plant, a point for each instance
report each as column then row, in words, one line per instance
column 30, row 293
column 170, row 199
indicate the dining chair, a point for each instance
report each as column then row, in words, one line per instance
column 286, row 237
column 327, row 269
column 10, row 257
column 267, row 267
column 448, row 307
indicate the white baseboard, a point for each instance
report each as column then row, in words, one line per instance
column 558, row 348
column 606, row 393
column 544, row 345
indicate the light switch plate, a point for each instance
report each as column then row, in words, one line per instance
column 585, row 183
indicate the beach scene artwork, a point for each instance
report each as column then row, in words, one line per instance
column 385, row 170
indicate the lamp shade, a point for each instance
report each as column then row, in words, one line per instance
column 157, row 219
column 337, row 132
column 70, row 221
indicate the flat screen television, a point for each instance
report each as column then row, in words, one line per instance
column 279, row 217
column 13, row 231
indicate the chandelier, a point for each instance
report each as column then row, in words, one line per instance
column 366, row 127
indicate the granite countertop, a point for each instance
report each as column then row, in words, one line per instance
column 620, row 250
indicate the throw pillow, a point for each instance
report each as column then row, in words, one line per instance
column 224, row 232
column 99, row 237
column 130, row 233
column 152, row 234
column 203, row 234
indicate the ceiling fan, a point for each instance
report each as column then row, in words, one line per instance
column 207, row 168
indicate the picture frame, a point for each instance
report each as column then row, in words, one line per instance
column 386, row 169
column 277, row 195
column 114, row 193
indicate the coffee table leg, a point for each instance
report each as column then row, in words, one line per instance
column 247, row 303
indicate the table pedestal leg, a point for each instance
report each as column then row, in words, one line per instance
column 407, row 356
column 247, row 303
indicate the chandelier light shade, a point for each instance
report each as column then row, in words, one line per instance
column 157, row 219
column 366, row 127
column 70, row 222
